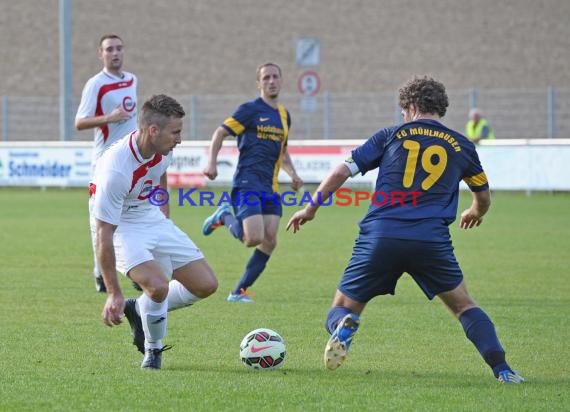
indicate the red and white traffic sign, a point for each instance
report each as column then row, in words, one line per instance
column 309, row 83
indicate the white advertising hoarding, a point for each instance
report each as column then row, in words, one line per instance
column 528, row 165
column 44, row 165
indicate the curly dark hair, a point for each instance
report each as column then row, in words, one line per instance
column 158, row 110
column 426, row 93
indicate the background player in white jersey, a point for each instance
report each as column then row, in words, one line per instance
column 109, row 106
column 137, row 239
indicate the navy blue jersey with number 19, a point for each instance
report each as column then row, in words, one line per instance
column 421, row 165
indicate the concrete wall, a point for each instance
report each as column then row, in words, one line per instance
column 185, row 47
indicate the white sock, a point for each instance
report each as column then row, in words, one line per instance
column 153, row 316
column 179, row 296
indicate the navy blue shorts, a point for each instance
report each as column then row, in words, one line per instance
column 378, row 262
column 251, row 202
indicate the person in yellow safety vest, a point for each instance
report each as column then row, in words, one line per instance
column 477, row 127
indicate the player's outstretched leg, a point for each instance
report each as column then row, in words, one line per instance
column 255, row 266
column 340, row 340
column 480, row 330
column 214, row 221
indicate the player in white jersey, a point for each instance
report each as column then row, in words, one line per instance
column 134, row 237
column 109, row 106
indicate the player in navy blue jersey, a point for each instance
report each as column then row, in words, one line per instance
column 262, row 127
column 421, row 163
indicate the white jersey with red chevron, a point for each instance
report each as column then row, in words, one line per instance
column 123, row 182
column 103, row 93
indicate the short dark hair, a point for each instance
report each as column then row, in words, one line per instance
column 108, row 36
column 158, row 110
column 261, row 66
column 426, row 93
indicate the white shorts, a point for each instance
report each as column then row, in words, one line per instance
column 161, row 241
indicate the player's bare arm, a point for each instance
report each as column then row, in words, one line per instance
column 331, row 184
column 165, row 209
column 115, row 304
column 473, row 216
column 289, row 168
column 211, row 169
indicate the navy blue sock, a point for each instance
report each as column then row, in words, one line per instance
column 234, row 225
column 334, row 316
column 253, row 269
column 480, row 330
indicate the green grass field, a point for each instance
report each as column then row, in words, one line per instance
column 408, row 355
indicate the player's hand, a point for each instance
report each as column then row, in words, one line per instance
column 211, row 171
column 300, row 218
column 114, row 310
column 296, row 183
column 470, row 219
column 117, row 115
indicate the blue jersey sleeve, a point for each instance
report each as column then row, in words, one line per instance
column 367, row 157
column 240, row 120
column 474, row 175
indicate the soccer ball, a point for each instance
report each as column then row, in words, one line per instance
column 262, row 349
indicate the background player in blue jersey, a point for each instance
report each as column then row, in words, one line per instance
column 262, row 127
column 421, row 164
